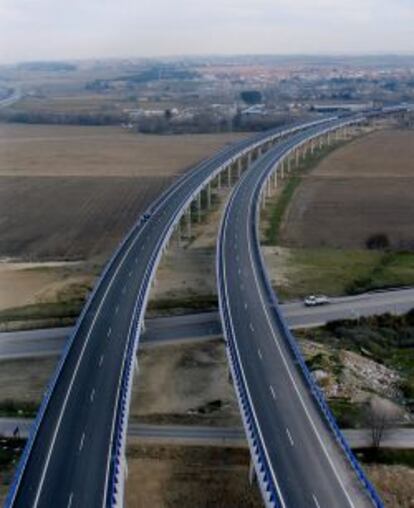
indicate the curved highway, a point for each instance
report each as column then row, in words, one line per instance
column 297, row 457
column 75, row 455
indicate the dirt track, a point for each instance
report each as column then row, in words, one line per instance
column 365, row 188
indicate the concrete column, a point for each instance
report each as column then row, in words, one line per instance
column 219, row 182
column 239, row 167
column 252, row 473
column 305, row 151
column 297, row 153
column 289, row 163
column 229, row 176
column 208, row 196
column 282, row 169
column 275, row 176
column 126, row 467
column 320, row 142
column 179, row 233
column 199, row 207
column 188, row 213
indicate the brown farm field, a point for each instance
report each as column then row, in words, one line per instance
column 70, row 193
column 361, row 189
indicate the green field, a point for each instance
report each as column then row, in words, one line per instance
column 343, row 272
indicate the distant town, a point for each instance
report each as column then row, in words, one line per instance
column 217, row 94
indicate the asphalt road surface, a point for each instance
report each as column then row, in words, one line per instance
column 308, row 466
column 71, row 460
column 207, row 325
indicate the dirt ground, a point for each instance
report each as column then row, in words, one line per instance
column 395, row 484
column 38, row 150
column 183, row 477
column 24, row 381
column 362, row 189
column 70, row 193
column 188, row 269
column 60, row 218
column 30, row 283
column 184, row 384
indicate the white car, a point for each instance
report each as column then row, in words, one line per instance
column 314, row 300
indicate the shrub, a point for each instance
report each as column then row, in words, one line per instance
column 379, row 241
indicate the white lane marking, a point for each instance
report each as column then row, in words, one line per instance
column 289, row 435
column 315, row 500
column 273, row 392
column 70, row 500
column 259, row 352
column 292, row 379
column 251, row 327
column 239, row 271
column 109, row 332
column 82, row 442
column 101, row 360
column 130, row 274
column 116, row 309
column 245, row 305
column 92, row 395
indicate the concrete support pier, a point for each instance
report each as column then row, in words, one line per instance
column 208, row 190
column 198, row 204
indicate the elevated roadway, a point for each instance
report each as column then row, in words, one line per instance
column 299, row 460
column 75, row 455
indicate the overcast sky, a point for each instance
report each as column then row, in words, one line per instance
column 51, row 29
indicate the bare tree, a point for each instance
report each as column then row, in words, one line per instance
column 381, row 415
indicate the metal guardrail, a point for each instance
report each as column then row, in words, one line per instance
column 286, row 333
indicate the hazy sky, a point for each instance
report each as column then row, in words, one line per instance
column 43, row 29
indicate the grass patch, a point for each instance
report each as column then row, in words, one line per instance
column 387, row 456
column 391, row 270
column 10, row 450
column 348, row 414
column 40, row 311
column 344, row 272
column 324, row 270
column 278, row 210
column 10, row 408
column 197, row 303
